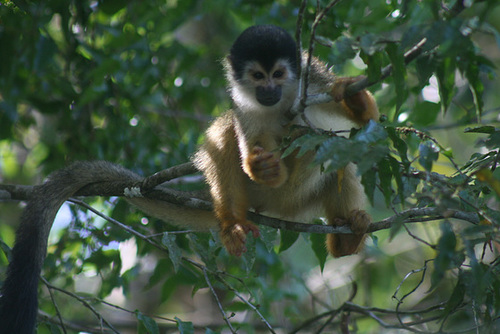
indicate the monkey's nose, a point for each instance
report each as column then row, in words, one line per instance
column 268, row 95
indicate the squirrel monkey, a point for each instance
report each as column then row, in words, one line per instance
column 241, row 161
column 241, row 156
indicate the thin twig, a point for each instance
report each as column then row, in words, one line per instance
column 418, row 238
column 84, row 302
column 253, row 307
column 221, row 309
column 116, row 222
column 54, row 302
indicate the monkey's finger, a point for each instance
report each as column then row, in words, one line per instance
column 257, row 150
column 263, row 156
column 267, row 164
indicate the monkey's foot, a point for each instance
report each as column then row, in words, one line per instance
column 233, row 236
column 359, row 221
column 346, row 244
column 266, row 167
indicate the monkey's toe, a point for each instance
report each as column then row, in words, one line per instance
column 234, row 236
column 359, row 220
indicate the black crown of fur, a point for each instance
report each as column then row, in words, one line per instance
column 264, row 44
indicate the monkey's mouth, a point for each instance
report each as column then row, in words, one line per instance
column 268, row 96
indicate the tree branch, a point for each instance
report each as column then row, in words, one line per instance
column 199, row 201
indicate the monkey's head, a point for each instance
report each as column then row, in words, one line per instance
column 262, row 68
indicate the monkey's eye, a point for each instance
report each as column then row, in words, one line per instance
column 278, row 74
column 258, row 75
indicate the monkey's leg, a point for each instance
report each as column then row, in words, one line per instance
column 228, row 187
column 343, row 209
column 230, row 207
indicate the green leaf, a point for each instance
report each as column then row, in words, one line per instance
column 146, row 324
column 374, row 63
column 445, row 74
column 424, row 113
column 400, row 146
column 110, row 7
column 396, row 172
column 288, row 238
column 481, row 129
column 318, row 246
column 161, row 271
column 385, row 176
column 476, row 86
column 493, row 141
column 425, row 68
column 174, row 252
column 368, row 180
column 45, row 50
column 370, row 44
column 268, row 236
column 429, row 153
column 341, row 51
column 337, row 151
column 184, row 327
column 205, row 247
column 305, row 143
column 447, row 257
column 396, row 226
column 398, row 73
column 248, row 257
column 373, row 132
column 366, row 148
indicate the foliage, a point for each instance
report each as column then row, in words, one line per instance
column 137, row 82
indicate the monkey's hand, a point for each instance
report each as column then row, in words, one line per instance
column 233, row 236
column 361, row 106
column 266, row 167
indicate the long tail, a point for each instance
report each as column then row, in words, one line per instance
column 19, row 303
